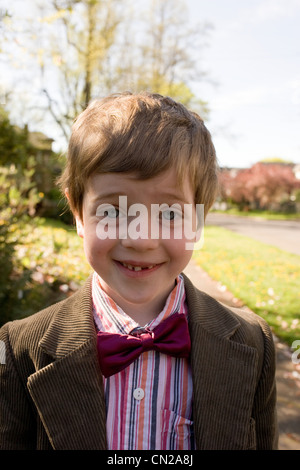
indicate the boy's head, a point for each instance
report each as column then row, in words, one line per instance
column 140, row 133
column 128, row 155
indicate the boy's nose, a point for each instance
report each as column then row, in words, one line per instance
column 140, row 244
column 140, row 236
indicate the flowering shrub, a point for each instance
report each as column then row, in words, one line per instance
column 262, row 186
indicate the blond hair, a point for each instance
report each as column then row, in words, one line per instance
column 142, row 133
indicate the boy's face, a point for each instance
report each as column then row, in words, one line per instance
column 137, row 250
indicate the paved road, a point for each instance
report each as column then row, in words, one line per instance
column 284, row 234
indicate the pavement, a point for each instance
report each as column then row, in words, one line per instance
column 283, row 234
column 287, row 373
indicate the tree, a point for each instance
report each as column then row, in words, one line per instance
column 260, row 186
column 275, row 160
column 88, row 48
column 14, row 143
column 80, row 36
column 18, row 200
column 170, row 53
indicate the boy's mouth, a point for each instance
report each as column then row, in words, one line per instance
column 137, row 267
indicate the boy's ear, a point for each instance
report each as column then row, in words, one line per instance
column 79, row 226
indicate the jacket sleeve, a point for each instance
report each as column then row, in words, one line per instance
column 264, row 411
column 17, row 423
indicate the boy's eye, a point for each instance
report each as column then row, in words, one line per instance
column 171, row 215
column 112, row 213
column 108, row 210
column 168, row 215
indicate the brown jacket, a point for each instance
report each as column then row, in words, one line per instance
column 51, row 388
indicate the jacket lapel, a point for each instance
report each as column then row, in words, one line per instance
column 224, row 375
column 68, row 392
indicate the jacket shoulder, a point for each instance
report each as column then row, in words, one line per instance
column 237, row 324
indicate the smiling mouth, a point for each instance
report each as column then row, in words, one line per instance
column 137, row 268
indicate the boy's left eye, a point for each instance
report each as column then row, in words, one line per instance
column 171, row 215
column 168, row 215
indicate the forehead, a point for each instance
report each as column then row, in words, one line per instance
column 164, row 187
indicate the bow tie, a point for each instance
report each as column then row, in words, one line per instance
column 117, row 351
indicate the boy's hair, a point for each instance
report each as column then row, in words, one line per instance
column 142, row 133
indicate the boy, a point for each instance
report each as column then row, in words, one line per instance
column 98, row 370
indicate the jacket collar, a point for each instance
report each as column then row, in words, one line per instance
column 208, row 313
column 71, row 326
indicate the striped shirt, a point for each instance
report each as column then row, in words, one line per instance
column 148, row 404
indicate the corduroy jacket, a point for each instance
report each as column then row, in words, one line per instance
column 51, row 387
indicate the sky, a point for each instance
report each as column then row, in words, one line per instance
column 253, row 63
column 254, row 58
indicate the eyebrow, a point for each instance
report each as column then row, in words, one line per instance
column 169, row 196
column 175, row 197
column 108, row 195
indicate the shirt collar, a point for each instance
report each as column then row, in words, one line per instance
column 108, row 316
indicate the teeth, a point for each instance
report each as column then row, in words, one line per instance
column 136, row 268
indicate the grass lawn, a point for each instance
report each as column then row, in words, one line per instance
column 265, row 278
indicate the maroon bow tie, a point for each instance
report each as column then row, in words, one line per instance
column 117, row 351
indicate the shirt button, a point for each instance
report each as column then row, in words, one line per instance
column 138, row 393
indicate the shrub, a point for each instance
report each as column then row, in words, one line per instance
column 18, row 199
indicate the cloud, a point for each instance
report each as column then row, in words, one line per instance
column 294, row 86
column 250, row 96
column 273, row 9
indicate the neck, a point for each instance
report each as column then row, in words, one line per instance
column 141, row 312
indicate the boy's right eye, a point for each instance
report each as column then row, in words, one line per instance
column 107, row 210
column 112, row 213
